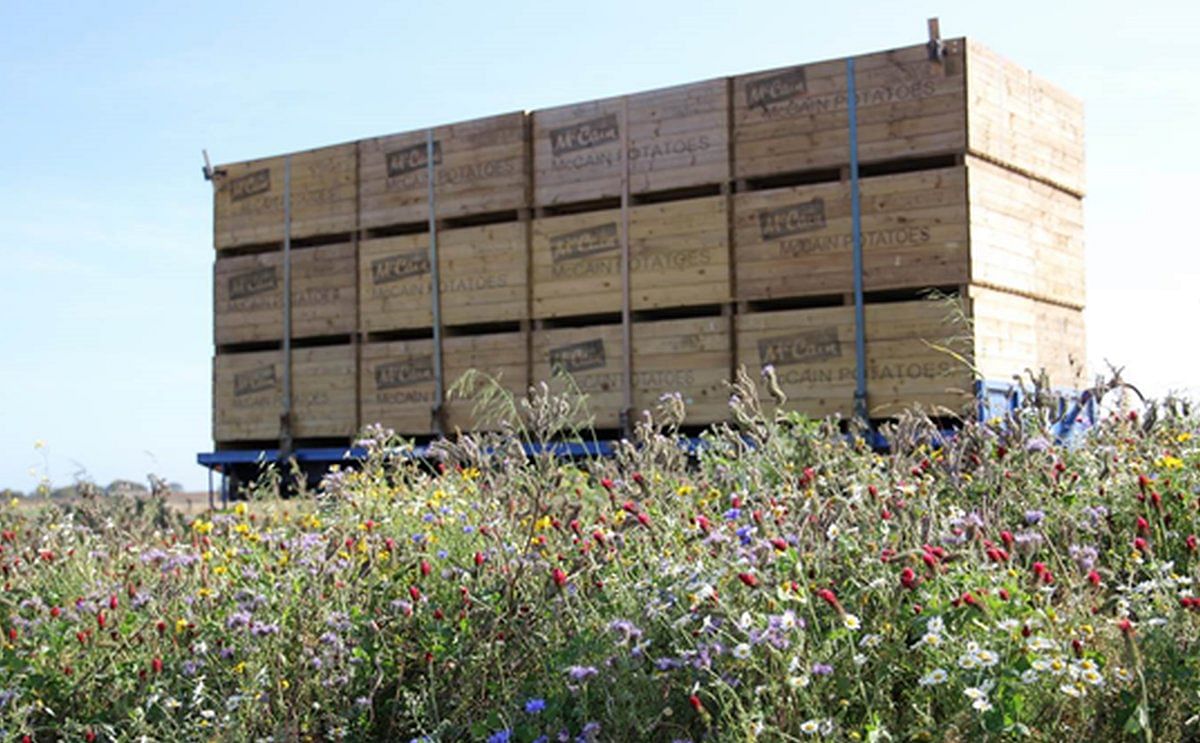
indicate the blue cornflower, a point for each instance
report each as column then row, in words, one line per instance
column 733, row 514
column 502, row 736
column 534, row 706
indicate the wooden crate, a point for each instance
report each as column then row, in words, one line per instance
column 679, row 256
column 398, row 387
column 1026, row 236
column 678, row 137
column 1014, row 334
column 483, row 278
column 976, row 223
column 248, row 200
column 792, row 242
column 248, row 394
column 690, row 356
column 501, row 356
column 479, row 167
column 813, row 353
column 249, row 295
column 1019, row 119
column 795, row 118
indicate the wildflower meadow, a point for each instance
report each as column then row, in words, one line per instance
column 781, row 581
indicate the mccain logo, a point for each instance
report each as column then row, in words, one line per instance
column 250, row 184
column 792, row 220
column 255, row 380
column 583, row 243
column 399, row 267
column 801, row 348
column 406, row 160
column 779, row 87
column 404, row 373
column 249, row 283
column 578, row 357
column 586, row 134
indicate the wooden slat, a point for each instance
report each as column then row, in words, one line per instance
column 688, row 356
column 249, row 197
column 1026, row 236
column 482, row 277
column 398, row 385
column 677, row 137
column 1017, row 118
column 500, row 356
column 678, row 257
column 248, row 394
column 1014, row 334
column 249, row 295
column 795, row 118
column 812, row 351
column 478, row 167
column 793, row 242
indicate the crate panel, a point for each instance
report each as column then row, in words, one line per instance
column 248, row 394
column 398, row 387
column 679, row 256
column 479, row 167
column 792, row 242
column 502, row 358
column 1015, row 334
column 678, row 137
column 1026, row 236
column 248, row 197
column 796, row 118
column 688, row 356
column 812, row 352
column 249, row 295
column 1017, row 118
column 482, row 278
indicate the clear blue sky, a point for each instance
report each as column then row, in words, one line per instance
column 105, row 222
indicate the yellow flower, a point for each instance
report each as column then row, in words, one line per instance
column 240, row 667
column 685, row 490
column 204, row 593
column 242, row 528
column 543, row 523
column 180, row 626
column 202, row 527
column 240, row 509
column 283, row 684
column 1168, row 462
column 220, row 570
column 1184, row 437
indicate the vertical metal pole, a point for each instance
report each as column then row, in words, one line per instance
column 436, row 290
column 626, row 303
column 285, row 437
column 860, row 342
column 210, row 489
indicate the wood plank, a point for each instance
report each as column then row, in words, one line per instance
column 482, row 276
column 248, row 198
column 500, row 356
column 248, row 394
column 812, row 351
column 479, row 167
column 688, row 356
column 678, row 137
column 249, row 294
column 1017, row 118
column 1014, row 333
column 794, row 242
column 398, row 386
column 1025, row 235
column 678, row 257
column 795, row 118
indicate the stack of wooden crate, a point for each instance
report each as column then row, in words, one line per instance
column 732, row 199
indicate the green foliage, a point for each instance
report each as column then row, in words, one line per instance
column 784, row 582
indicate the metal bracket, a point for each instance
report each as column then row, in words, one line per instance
column 937, row 48
column 211, row 173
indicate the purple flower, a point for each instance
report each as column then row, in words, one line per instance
column 1034, row 517
column 534, row 706
column 502, row 736
column 1037, row 443
column 821, row 669
column 733, row 514
column 262, row 630
column 589, row 733
column 238, row 619
column 581, row 673
column 626, row 629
